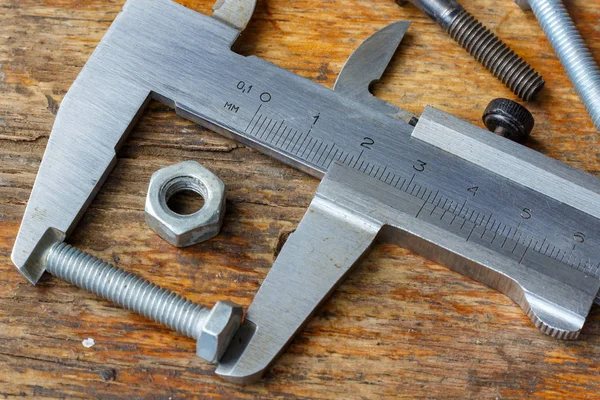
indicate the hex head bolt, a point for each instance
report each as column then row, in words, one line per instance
column 488, row 49
column 571, row 51
column 212, row 328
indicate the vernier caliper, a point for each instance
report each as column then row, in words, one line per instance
column 480, row 204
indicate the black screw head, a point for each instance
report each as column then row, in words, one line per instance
column 509, row 119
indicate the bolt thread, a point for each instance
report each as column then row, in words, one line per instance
column 496, row 56
column 125, row 289
column 572, row 52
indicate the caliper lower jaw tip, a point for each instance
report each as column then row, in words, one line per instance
column 244, row 362
column 32, row 265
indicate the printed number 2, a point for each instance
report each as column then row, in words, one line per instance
column 420, row 167
column 367, row 143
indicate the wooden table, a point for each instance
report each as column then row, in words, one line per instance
column 400, row 326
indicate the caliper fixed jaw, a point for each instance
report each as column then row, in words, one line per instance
column 100, row 109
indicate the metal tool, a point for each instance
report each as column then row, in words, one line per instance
column 483, row 205
column 571, row 51
column 185, row 230
column 483, row 45
column 213, row 328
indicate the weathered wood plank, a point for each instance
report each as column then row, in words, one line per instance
column 400, row 326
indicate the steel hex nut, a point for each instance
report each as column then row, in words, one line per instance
column 219, row 328
column 185, row 230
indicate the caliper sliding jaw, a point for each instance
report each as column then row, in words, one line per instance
column 491, row 209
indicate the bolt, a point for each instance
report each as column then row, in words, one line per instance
column 213, row 329
column 571, row 51
column 486, row 47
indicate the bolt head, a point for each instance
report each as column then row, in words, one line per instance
column 185, row 230
column 219, row 328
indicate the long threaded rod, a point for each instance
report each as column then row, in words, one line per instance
column 126, row 289
column 490, row 51
column 496, row 56
column 572, row 52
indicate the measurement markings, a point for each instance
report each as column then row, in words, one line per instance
column 435, row 197
column 253, row 117
column 291, row 140
column 411, row 179
column 281, row 125
column 311, row 148
column 333, row 157
column 420, row 209
column 413, row 189
column 444, row 214
column 463, row 206
column 516, row 244
column 302, row 144
column 322, row 154
column 327, row 156
column 274, row 134
column 259, row 126
column 287, row 135
column 470, row 233
column 269, row 131
column 255, row 124
column 317, row 151
column 303, row 148
column 383, row 172
column 387, row 176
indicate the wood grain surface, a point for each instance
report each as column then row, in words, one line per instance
column 400, row 326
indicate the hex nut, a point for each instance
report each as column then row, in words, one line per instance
column 219, row 328
column 185, row 230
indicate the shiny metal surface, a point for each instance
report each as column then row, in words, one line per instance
column 366, row 66
column 486, row 207
column 571, row 50
column 235, row 13
column 348, row 212
column 185, row 230
column 213, row 328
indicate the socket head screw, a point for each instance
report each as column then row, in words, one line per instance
column 218, row 329
column 185, row 230
column 509, row 119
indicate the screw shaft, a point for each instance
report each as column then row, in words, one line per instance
column 494, row 55
column 126, row 289
column 572, row 52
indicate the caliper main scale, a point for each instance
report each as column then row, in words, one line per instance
column 489, row 208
